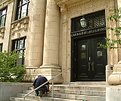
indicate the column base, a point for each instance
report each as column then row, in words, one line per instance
column 47, row 71
column 31, row 73
column 115, row 77
column 51, row 71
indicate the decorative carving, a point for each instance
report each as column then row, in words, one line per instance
column 2, row 31
column 63, row 8
column 4, row 3
column 19, row 25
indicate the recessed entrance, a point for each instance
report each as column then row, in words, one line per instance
column 88, row 58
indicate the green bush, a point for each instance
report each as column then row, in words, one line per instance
column 9, row 70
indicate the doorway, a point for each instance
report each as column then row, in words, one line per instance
column 88, row 59
column 91, row 59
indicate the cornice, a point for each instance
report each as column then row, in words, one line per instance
column 67, row 4
column 61, row 2
column 4, row 3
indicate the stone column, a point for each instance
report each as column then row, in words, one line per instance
column 35, row 36
column 50, row 67
column 115, row 77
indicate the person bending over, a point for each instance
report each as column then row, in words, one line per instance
column 39, row 81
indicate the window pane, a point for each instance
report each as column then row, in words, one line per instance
column 3, row 16
column 19, row 13
column 21, row 44
column 2, row 20
column 25, row 1
column 23, row 11
column 4, row 12
column 1, row 45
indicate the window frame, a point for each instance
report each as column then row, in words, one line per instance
column 16, row 47
column 19, row 9
column 1, row 47
column 3, row 15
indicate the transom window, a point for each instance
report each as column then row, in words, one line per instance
column 1, row 46
column 93, row 20
column 22, row 9
column 3, row 13
column 18, row 45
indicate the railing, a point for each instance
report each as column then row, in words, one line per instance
column 44, row 84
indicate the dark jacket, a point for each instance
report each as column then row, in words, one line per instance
column 39, row 81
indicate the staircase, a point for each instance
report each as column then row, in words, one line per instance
column 74, row 91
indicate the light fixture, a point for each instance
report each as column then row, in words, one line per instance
column 83, row 22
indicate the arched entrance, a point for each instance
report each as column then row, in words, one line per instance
column 88, row 58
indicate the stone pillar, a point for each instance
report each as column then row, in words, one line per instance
column 65, row 43
column 50, row 67
column 35, row 36
column 115, row 77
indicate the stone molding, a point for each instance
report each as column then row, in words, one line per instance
column 21, row 24
column 2, row 31
column 70, row 3
column 4, row 3
column 65, row 5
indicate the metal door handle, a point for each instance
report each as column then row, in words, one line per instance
column 93, row 66
column 89, row 67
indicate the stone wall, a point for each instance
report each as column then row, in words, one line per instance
column 113, row 93
column 8, row 90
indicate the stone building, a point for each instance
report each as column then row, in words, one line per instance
column 57, row 36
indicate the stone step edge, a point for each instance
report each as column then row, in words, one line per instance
column 82, row 99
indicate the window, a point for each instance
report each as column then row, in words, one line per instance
column 22, row 9
column 18, row 45
column 1, row 46
column 3, row 13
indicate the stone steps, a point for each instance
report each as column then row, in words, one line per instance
column 69, row 92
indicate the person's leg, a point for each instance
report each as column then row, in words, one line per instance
column 40, row 92
column 37, row 92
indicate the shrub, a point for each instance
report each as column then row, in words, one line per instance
column 9, row 70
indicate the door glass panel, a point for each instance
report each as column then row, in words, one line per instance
column 99, row 53
column 83, row 47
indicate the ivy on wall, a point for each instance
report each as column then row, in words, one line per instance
column 114, row 30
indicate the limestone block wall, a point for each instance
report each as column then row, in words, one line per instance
column 9, row 89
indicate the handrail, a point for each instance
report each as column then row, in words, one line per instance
column 44, row 84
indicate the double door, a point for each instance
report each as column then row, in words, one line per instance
column 91, row 59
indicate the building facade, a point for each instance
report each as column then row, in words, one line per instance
column 57, row 36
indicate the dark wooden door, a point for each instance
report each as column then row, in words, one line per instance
column 91, row 59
